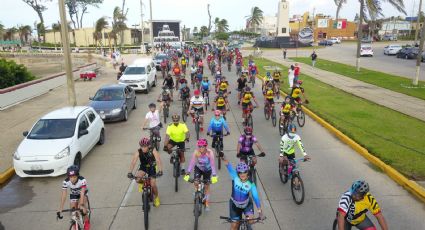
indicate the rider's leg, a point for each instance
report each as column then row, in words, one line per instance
column 154, row 187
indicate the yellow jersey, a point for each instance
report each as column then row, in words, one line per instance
column 276, row 76
column 223, row 85
column 296, row 92
column 247, row 97
column 355, row 211
column 183, row 61
column 221, row 101
column 269, row 94
column 177, row 133
column 286, row 108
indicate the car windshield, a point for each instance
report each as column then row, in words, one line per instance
column 52, row 129
column 109, row 95
column 134, row 70
column 160, row 57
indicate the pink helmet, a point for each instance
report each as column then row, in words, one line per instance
column 197, row 92
column 144, row 142
column 299, row 82
column 202, row 142
column 217, row 112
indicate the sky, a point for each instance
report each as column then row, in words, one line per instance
column 190, row 12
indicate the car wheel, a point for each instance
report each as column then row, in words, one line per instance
column 406, row 57
column 148, row 88
column 154, row 82
column 101, row 137
column 77, row 160
column 125, row 115
column 135, row 103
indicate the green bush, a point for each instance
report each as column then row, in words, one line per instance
column 12, row 74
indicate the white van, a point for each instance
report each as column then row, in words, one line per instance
column 141, row 75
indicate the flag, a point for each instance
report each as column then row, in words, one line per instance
column 342, row 24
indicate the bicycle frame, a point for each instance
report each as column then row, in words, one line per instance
column 76, row 218
column 243, row 223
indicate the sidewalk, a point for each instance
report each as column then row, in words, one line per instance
column 402, row 103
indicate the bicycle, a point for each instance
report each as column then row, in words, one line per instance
column 154, row 139
column 229, row 66
column 252, row 172
column 238, row 70
column 244, row 224
column 199, row 200
column 185, row 107
column 252, row 79
column 175, row 160
column 205, row 95
column 248, row 121
column 145, row 188
column 166, row 110
column 269, row 111
column 197, row 125
column 218, row 147
column 301, row 115
column 283, row 125
column 292, row 172
column 77, row 222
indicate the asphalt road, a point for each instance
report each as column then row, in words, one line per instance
column 32, row 203
column 346, row 53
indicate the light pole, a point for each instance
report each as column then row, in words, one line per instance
column 142, row 46
column 67, row 55
column 151, row 27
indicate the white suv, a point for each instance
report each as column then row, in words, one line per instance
column 141, row 75
column 58, row 140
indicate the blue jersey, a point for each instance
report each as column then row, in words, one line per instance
column 199, row 76
column 241, row 190
column 205, row 85
column 218, row 125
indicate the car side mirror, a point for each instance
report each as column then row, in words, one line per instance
column 90, row 98
column 25, row 133
column 82, row 133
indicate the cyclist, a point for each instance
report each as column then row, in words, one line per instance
column 245, row 143
column 217, row 77
column 296, row 91
column 253, row 71
column 197, row 105
column 269, row 95
column 205, row 86
column 217, row 124
column 287, row 146
column 201, row 66
column 169, row 83
column 154, row 120
column 222, row 86
column 286, row 108
column 203, row 164
column 183, row 62
column 176, row 135
column 78, row 191
column 165, row 96
column 149, row 161
column 242, row 190
column 164, row 69
column 246, row 102
column 276, row 80
column 354, row 205
column 177, row 73
column 221, row 103
column 238, row 64
column 193, row 72
column 267, row 81
column 185, row 93
column 241, row 85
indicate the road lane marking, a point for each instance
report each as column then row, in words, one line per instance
column 127, row 194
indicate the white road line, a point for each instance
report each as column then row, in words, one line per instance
column 127, row 194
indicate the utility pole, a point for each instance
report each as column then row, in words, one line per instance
column 151, row 27
column 67, row 55
column 418, row 21
column 142, row 46
column 419, row 56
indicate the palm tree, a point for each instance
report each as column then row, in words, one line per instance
column 374, row 8
column 101, row 24
column 255, row 18
column 203, row 31
column 23, row 33
column 216, row 22
column 223, row 26
column 56, row 27
column 10, row 33
column 118, row 23
column 339, row 4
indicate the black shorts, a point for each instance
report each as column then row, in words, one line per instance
column 276, row 80
column 244, row 155
column 198, row 173
column 289, row 156
column 367, row 223
column 180, row 145
column 76, row 197
column 246, row 105
column 149, row 169
column 221, row 107
column 270, row 101
column 236, row 213
column 200, row 110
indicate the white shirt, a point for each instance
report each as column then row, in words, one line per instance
column 197, row 102
column 153, row 118
column 291, row 73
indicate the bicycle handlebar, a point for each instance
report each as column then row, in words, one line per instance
column 193, row 180
column 59, row 216
column 257, row 219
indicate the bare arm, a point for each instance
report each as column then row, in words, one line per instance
column 341, row 221
column 382, row 221
column 144, row 123
column 133, row 162
column 238, row 148
column 255, row 100
column 63, row 198
column 259, row 146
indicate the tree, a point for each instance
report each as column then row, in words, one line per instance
column 255, row 18
column 39, row 7
column 56, row 27
column 221, row 36
column 101, row 24
column 216, row 22
column 209, row 19
column 24, row 31
column 203, row 32
column 223, row 26
column 373, row 7
column 13, row 74
column 2, row 30
column 118, row 24
column 338, row 4
column 77, row 9
column 10, row 33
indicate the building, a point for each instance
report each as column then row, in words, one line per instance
column 283, row 19
column 399, row 27
column 268, row 26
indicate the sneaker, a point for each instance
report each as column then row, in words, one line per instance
column 156, row 201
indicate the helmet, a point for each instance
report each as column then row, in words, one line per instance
column 268, row 74
column 152, row 105
column 218, row 73
column 220, row 93
column 73, row 170
column 144, row 142
column 359, row 186
column 299, row 82
column 197, row 92
column 175, row 118
column 202, row 142
column 242, row 167
column 247, row 89
column 292, row 128
column 248, row 130
column 217, row 112
column 287, row 97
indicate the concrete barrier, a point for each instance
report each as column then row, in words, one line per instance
column 16, row 94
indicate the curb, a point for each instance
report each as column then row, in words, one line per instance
column 6, row 175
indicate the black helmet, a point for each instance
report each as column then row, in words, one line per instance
column 73, row 170
column 152, row 105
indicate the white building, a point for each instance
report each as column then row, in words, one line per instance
column 268, row 26
column 395, row 27
column 283, row 19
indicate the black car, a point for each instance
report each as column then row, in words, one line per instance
column 114, row 102
column 408, row 53
column 325, row 43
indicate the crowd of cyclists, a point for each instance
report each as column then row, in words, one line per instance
column 207, row 81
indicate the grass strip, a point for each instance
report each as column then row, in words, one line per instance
column 384, row 80
column 395, row 138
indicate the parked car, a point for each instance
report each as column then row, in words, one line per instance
column 325, row 43
column 408, row 53
column 366, row 50
column 58, row 140
column 158, row 59
column 423, row 56
column 141, row 75
column 392, row 49
column 114, row 102
column 389, row 37
column 335, row 40
column 366, row 40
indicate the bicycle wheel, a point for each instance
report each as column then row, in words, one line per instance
column 176, row 175
column 184, row 111
column 273, row 117
column 206, row 103
column 301, row 118
column 253, row 81
column 250, row 121
column 197, row 129
column 165, row 114
column 253, row 175
column 218, row 150
column 145, row 199
column 266, row 112
column 297, row 188
column 197, row 209
column 157, row 143
column 88, row 207
column 283, row 169
column 74, row 226
column 281, row 127
column 335, row 225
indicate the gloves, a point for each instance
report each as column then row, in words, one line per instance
column 186, row 177
column 130, row 175
column 306, row 101
column 208, row 134
column 228, row 133
column 262, row 154
column 214, row 179
column 159, row 173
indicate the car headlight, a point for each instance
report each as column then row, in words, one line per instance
column 64, row 153
column 16, row 156
column 116, row 110
column 143, row 80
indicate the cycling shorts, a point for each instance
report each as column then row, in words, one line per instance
column 246, row 106
column 270, row 101
column 366, row 224
column 244, row 155
column 276, row 80
column 298, row 100
column 198, row 173
column 236, row 212
column 200, row 110
column 180, row 145
column 221, row 108
column 149, row 169
column 289, row 156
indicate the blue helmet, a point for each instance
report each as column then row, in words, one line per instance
column 359, row 186
column 242, row 167
column 292, row 128
column 268, row 74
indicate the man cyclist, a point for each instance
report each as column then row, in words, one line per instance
column 185, row 93
column 177, row 73
column 296, row 91
column 276, row 79
column 77, row 185
column 205, row 86
column 203, row 164
column 149, row 161
column 176, row 135
column 169, row 83
column 286, row 108
column 222, row 86
column 197, row 105
column 238, row 64
column 242, row 190
column 241, row 85
column 353, row 206
column 269, row 95
column 221, row 103
column 245, row 143
column 287, row 146
column 253, row 71
column 164, row 69
column 217, row 124
column 154, row 119
column 246, row 102
column 183, row 62
column 193, row 72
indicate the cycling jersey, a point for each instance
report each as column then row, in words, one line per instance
column 75, row 189
column 185, row 91
column 246, row 143
column 177, row 133
column 221, row 101
column 241, row 83
column 205, row 162
column 176, row 71
column 286, row 108
column 355, row 211
column 183, row 61
column 216, row 125
column 223, row 86
column 295, row 93
column 276, row 76
column 197, row 103
column 153, row 118
column 205, row 85
column 269, row 94
column 241, row 190
column 146, row 159
column 246, row 98
column 287, row 144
